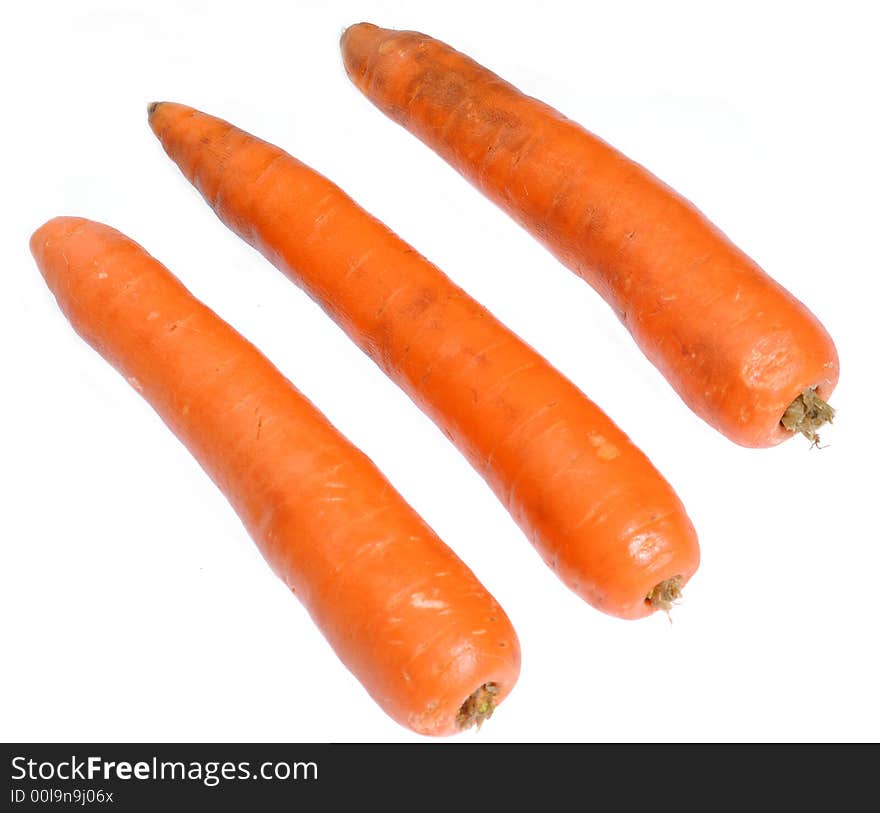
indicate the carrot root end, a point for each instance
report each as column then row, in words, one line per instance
column 478, row 707
column 807, row 414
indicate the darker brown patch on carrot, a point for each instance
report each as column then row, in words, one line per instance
column 478, row 707
column 807, row 414
column 151, row 108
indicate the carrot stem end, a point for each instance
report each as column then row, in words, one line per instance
column 664, row 595
column 478, row 707
column 807, row 414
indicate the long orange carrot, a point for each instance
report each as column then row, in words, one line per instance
column 404, row 614
column 740, row 350
column 596, row 509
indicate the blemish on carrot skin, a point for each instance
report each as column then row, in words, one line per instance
column 419, row 601
column 643, row 548
column 153, row 315
column 102, row 275
column 605, row 450
column 608, row 452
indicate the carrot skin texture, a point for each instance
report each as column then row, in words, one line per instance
column 401, row 610
column 736, row 346
column 595, row 508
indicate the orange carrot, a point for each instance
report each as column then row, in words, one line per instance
column 739, row 349
column 596, row 509
column 400, row 609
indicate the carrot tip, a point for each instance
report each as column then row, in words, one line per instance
column 807, row 414
column 478, row 707
column 664, row 595
column 151, row 108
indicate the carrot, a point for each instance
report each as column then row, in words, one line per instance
column 596, row 509
column 400, row 609
column 739, row 349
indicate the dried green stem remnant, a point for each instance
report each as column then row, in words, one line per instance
column 807, row 414
column 665, row 594
column 478, row 707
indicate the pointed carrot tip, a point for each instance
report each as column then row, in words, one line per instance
column 362, row 25
column 53, row 232
column 151, row 108
column 357, row 44
column 350, row 31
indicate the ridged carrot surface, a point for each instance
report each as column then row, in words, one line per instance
column 592, row 504
column 740, row 350
column 400, row 609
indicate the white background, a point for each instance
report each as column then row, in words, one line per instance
column 133, row 604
